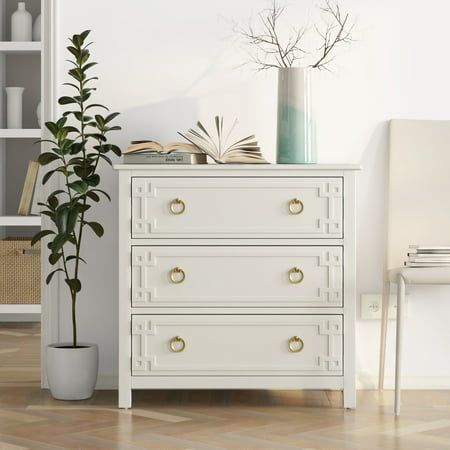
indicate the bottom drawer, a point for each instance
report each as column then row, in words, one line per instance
column 237, row 345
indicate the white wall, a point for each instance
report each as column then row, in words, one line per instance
column 165, row 64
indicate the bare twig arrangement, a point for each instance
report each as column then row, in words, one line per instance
column 268, row 49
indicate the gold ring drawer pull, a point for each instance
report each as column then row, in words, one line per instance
column 177, row 206
column 296, row 275
column 296, row 206
column 296, row 344
column 177, row 275
column 177, row 344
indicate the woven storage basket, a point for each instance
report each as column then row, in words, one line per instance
column 20, row 272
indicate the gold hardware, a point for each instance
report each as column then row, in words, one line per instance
column 177, row 275
column 295, row 206
column 295, row 344
column 177, row 344
column 296, row 275
column 177, row 206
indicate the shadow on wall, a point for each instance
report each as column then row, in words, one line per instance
column 158, row 121
column 371, row 231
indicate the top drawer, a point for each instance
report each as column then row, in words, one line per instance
column 237, row 207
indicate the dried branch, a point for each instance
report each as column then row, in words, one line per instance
column 267, row 49
column 338, row 31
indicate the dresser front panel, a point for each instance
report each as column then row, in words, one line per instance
column 237, row 345
column 237, row 207
column 239, row 276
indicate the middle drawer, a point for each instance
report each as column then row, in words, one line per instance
column 237, row 276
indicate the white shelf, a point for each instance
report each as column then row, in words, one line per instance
column 20, row 309
column 20, row 221
column 20, row 47
column 21, row 133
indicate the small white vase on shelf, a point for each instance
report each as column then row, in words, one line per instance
column 37, row 29
column 39, row 114
column 21, row 24
column 14, row 107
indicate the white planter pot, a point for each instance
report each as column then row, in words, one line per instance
column 72, row 372
column 21, row 24
column 14, row 107
column 296, row 137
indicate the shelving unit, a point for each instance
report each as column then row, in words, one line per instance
column 20, row 221
column 22, row 133
column 21, row 64
column 20, row 309
column 9, row 47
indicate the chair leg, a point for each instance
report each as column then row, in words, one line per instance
column 384, row 323
column 399, row 342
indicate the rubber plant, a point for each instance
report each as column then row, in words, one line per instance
column 78, row 145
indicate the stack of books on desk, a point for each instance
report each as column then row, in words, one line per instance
column 151, row 152
column 422, row 256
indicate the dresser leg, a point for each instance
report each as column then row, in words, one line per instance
column 125, row 398
column 349, row 398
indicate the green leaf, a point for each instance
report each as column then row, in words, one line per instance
column 53, row 202
column 47, row 158
column 53, row 258
column 72, row 257
column 74, row 284
column 80, row 207
column 66, row 100
column 50, row 275
column 96, row 228
column 102, row 192
column 95, row 105
column 93, row 180
column 59, row 241
column 84, row 35
column 111, row 116
column 61, row 217
column 47, row 176
column 79, row 186
column 52, row 127
column 88, row 66
column 93, row 196
column 38, row 236
column 116, row 150
column 72, row 220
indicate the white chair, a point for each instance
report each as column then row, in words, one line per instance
column 418, row 213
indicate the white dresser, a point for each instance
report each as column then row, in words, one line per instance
column 236, row 277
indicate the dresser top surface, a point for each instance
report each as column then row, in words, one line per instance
column 228, row 168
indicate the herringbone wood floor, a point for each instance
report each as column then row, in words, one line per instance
column 208, row 420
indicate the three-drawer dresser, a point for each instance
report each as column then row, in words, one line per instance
column 236, row 277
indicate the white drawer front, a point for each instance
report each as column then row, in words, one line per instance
column 235, row 207
column 211, row 276
column 236, row 345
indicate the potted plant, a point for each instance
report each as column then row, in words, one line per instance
column 79, row 145
column 272, row 47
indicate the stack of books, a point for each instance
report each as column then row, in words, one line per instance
column 151, row 152
column 422, row 256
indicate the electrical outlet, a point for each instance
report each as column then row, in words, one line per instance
column 371, row 306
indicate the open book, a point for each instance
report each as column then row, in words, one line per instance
column 153, row 146
column 244, row 150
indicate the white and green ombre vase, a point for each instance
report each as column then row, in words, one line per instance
column 296, row 137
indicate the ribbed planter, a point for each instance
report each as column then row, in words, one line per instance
column 72, row 372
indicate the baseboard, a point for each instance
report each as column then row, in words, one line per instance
column 363, row 382
column 408, row 382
